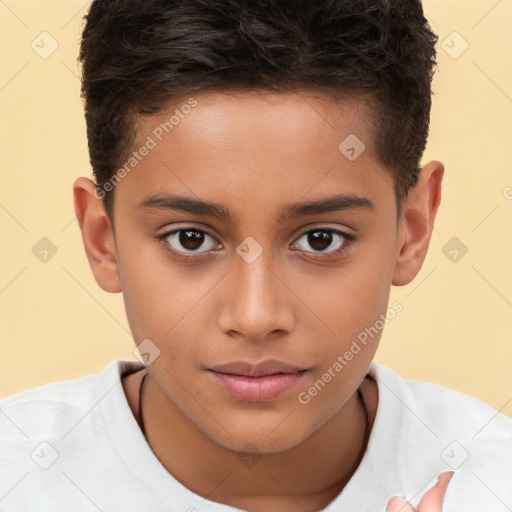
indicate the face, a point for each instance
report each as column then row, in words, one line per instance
column 291, row 264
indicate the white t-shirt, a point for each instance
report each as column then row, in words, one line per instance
column 75, row 446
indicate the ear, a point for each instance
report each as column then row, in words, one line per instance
column 417, row 222
column 97, row 234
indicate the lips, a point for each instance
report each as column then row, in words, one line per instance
column 269, row 367
column 260, row 382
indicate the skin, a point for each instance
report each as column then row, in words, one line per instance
column 432, row 501
column 256, row 153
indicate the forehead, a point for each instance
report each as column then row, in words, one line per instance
column 256, row 145
column 279, row 117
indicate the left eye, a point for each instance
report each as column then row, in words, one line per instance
column 321, row 239
column 190, row 240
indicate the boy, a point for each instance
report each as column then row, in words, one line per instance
column 257, row 192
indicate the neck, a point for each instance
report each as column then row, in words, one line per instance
column 316, row 470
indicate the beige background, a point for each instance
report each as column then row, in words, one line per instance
column 455, row 328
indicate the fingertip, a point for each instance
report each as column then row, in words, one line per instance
column 433, row 499
column 444, row 478
column 397, row 504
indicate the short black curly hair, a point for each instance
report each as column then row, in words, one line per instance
column 137, row 55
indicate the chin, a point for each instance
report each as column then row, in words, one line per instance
column 263, row 440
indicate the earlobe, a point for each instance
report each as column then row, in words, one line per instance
column 97, row 235
column 417, row 222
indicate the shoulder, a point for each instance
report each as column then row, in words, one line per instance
column 424, row 429
column 430, row 420
column 55, row 433
column 43, row 410
column 444, row 408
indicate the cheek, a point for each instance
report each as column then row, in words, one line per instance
column 348, row 303
column 155, row 293
column 364, row 286
column 169, row 303
column 350, row 310
column 344, row 301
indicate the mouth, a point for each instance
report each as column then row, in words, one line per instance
column 260, row 382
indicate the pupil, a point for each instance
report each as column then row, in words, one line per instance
column 317, row 239
column 191, row 239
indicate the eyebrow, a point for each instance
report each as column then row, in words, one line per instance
column 340, row 202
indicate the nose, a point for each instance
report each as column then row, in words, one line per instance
column 258, row 303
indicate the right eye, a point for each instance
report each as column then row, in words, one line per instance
column 188, row 240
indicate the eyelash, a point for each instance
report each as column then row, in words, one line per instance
column 345, row 247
